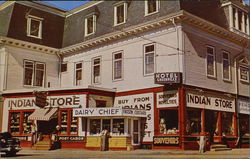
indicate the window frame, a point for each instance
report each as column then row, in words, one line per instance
column 34, row 69
column 146, row 13
column 214, row 62
column 229, row 66
column 29, row 19
column 75, row 70
column 248, row 73
column 86, row 25
column 125, row 8
column 100, row 71
column 113, row 67
column 144, row 59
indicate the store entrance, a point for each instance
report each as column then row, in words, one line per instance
column 45, row 128
column 211, row 124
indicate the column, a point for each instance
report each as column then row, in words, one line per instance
column 182, row 117
column 231, row 19
column 243, row 23
column 203, row 129
column 236, row 19
column 247, row 24
column 235, row 124
column 219, row 126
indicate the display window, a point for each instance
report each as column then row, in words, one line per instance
column 227, row 123
column 26, row 123
column 95, row 126
column 193, row 122
column 168, row 121
column 15, row 122
column 211, row 125
column 244, row 124
column 68, row 123
column 118, row 127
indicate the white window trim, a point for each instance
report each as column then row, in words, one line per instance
column 34, row 73
column 93, row 59
column 29, row 18
column 214, row 63
column 146, row 8
column 229, row 69
column 86, row 25
column 75, row 69
column 113, row 67
column 144, row 57
column 125, row 7
column 247, row 67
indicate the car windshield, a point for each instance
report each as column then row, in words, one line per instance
column 5, row 135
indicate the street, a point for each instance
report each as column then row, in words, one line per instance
column 138, row 154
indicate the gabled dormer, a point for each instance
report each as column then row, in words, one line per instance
column 237, row 16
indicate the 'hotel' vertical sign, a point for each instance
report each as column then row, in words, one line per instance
column 167, row 78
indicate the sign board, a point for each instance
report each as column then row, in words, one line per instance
column 41, row 97
column 167, row 78
column 243, row 106
column 166, row 140
column 64, row 101
column 114, row 111
column 140, row 101
column 208, row 101
column 71, row 138
column 167, row 99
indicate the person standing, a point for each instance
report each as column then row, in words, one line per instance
column 104, row 140
column 202, row 144
column 34, row 133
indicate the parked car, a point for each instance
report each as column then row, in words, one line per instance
column 8, row 144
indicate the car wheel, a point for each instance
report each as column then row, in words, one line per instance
column 11, row 153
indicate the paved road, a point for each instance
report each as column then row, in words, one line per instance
column 137, row 154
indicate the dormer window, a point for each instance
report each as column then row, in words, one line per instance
column 120, row 13
column 151, row 6
column 90, row 25
column 34, row 27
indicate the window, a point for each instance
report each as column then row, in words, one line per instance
column 26, row 123
column 149, row 59
column 244, row 125
column 96, row 70
column 211, row 69
column 95, row 126
column 34, row 73
column 151, row 6
column 244, row 74
column 64, row 67
column 193, row 123
column 118, row 126
column 136, row 131
column 19, row 123
column 240, row 19
column 106, row 124
column 90, row 25
column 168, row 122
column 34, row 26
column 226, row 66
column 15, row 122
column 227, row 123
column 68, row 123
column 117, row 66
column 120, row 13
column 78, row 73
column 101, row 103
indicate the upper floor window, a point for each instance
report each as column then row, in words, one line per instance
column 96, row 69
column 151, row 6
column 149, row 59
column 64, row 67
column 78, row 73
column 34, row 73
column 226, row 66
column 211, row 68
column 90, row 25
column 239, row 19
column 117, row 66
column 34, row 26
column 120, row 13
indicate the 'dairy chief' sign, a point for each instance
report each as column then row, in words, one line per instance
column 243, row 106
column 211, row 102
column 140, row 101
column 61, row 101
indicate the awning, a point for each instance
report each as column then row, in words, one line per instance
column 43, row 114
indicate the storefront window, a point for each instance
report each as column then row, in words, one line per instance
column 73, row 123
column 64, row 118
column 168, row 122
column 15, row 122
column 193, row 123
column 95, row 126
column 26, row 123
column 69, row 124
column 244, row 125
column 106, row 124
column 211, row 125
column 118, row 126
column 227, row 123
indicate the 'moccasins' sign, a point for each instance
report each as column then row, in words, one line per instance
column 167, row 77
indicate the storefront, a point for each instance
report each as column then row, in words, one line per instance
column 243, row 108
column 124, row 126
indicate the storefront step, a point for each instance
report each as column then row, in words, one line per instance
column 42, row 145
column 219, row 147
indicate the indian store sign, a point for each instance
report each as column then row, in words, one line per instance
column 51, row 101
column 208, row 101
column 144, row 102
column 167, row 99
column 96, row 112
column 243, row 106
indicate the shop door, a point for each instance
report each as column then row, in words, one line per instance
column 47, row 127
column 136, row 133
column 211, row 124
